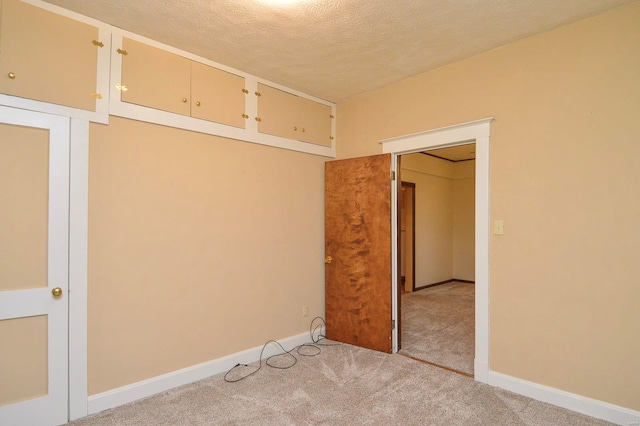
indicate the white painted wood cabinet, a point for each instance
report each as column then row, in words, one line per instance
column 159, row 79
column 48, row 57
column 289, row 116
column 155, row 78
column 217, row 95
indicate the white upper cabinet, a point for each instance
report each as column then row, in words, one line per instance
column 59, row 62
column 217, row 95
column 155, row 78
column 51, row 58
column 283, row 114
column 162, row 80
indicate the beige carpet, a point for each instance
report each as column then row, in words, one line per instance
column 438, row 325
column 344, row 385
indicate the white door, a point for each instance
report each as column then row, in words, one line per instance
column 34, row 252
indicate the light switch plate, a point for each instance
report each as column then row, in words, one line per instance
column 498, row 227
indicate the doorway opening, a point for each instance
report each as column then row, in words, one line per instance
column 437, row 243
column 461, row 134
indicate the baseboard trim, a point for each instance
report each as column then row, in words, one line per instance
column 442, row 283
column 422, row 287
column 146, row 388
column 480, row 371
column 591, row 407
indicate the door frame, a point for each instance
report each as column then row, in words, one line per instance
column 78, row 266
column 475, row 131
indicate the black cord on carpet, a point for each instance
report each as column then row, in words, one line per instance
column 308, row 349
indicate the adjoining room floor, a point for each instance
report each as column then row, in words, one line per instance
column 438, row 325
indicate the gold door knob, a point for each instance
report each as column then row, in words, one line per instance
column 184, row 100
column 57, row 292
column 328, row 259
column 12, row 75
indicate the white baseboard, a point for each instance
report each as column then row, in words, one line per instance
column 480, row 371
column 570, row 401
column 145, row 388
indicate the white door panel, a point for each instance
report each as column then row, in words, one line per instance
column 34, row 235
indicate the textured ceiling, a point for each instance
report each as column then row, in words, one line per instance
column 335, row 49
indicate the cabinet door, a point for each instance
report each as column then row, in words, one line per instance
column 314, row 122
column 278, row 112
column 155, row 78
column 217, row 95
column 47, row 57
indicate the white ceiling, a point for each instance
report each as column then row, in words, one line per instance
column 335, row 49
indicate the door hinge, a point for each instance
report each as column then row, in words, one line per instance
column 393, row 175
column 393, row 324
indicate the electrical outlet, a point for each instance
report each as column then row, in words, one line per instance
column 305, row 311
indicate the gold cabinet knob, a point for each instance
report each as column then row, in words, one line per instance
column 57, row 292
column 303, row 130
column 245, row 91
column 258, row 119
column 245, row 116
column 295, row 129
column 328, row 259
column 197, row 103
column 184, row 100
column 12, row 75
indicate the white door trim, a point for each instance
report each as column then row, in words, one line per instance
column 78, row 258
column 478, row 132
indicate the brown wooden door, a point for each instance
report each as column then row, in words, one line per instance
column 358, row 241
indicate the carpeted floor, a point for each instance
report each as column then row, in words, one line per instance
column 438, row 325
column 344, row 385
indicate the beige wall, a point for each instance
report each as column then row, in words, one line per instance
column 199, row 247
column 445, row 228
column 563, row 176
column 463, row 190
